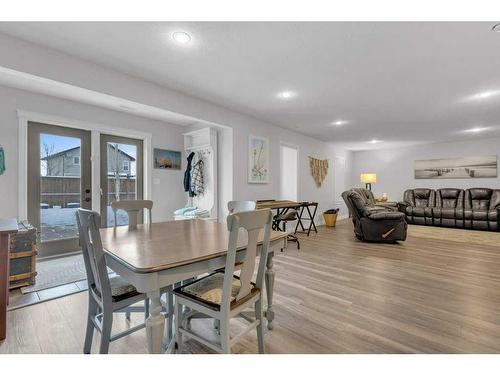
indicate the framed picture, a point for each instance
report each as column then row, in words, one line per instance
column 166, row 159
column 463, row 167
column 258, row 160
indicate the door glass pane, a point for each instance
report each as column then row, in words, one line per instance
column 60, row 173
column 122, row 179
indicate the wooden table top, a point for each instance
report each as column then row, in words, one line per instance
column 8, row 226
column 161, row 246
column 277, row 204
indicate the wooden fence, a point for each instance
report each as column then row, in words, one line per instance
column 61, row 191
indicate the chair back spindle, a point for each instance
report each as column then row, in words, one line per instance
column 93, row 254
column 253, row 222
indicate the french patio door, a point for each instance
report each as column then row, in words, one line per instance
column 59, row 181
column 121, row 175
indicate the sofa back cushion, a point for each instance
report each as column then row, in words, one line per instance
column 366, row 194
column 478, row 198
column 450, row 198
column 495, row 199
column 420, row 197
column 358, row 202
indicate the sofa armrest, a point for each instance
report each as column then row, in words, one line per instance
column 386, row 215
column 402, row 206
column 498, row 218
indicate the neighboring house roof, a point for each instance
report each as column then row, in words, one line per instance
column 59, row 153
column 77, row 147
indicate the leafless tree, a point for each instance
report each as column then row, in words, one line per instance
column 48, row 150
column 114, row 167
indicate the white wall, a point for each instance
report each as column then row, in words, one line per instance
column 30, row 58
column 167, row 195
column 395, row 167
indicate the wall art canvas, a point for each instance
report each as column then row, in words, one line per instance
column 258, row 160
column 463, row 167
column 166, row 159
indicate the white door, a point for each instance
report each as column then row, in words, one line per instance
column 289, row 172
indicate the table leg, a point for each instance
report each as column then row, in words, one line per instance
column 155, row 324
column 270, row 274
column 312, row 216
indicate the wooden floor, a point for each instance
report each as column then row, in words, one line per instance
column 335, row 295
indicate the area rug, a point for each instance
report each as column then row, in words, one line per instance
column 456, row 235
column 58, row 271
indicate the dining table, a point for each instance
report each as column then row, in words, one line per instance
column 159, row 255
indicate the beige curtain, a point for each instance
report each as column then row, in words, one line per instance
column 319, row 170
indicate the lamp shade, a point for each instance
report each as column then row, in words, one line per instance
column 368, row 178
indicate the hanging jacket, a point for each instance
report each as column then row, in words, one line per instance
column 197, row 180
column 187, row 173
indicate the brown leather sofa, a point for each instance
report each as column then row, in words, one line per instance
column 475, row 208
column 374, row 223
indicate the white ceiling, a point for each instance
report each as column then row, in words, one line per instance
column 402, row 83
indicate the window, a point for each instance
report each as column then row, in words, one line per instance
column 289, row 173
column 76, row 160
column 126, row 166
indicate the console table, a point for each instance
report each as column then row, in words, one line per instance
column 7, row 227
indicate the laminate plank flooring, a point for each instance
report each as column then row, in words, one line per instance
column 434, row 293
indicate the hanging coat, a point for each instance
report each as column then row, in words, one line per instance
column 2, row 161
column 197, row 180
column 187, row 173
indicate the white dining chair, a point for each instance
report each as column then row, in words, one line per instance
column 222, row 295
column 133, row 208
column 238, row 206
column 107, row 295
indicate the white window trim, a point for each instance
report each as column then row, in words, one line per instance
column 76, row 158
column 96, row 130
column 126, row 163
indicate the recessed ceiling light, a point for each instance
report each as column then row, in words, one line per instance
column 496, row 28
column 286, row 95
column 339, row 122
column 477, row 129
column 181, row 37
column 484, row 95
column 373, row 141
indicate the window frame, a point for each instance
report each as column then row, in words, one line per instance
column 76, row 158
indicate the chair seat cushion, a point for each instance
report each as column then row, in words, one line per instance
column 120, row 289
column 208, row 290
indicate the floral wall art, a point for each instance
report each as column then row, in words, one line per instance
column 258, row 160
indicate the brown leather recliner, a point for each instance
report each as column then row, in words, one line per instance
column 374, row 223
column 449, row 208
column 417, row 205
column 482, row 209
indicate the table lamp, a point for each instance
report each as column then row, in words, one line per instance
column 368, row 179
